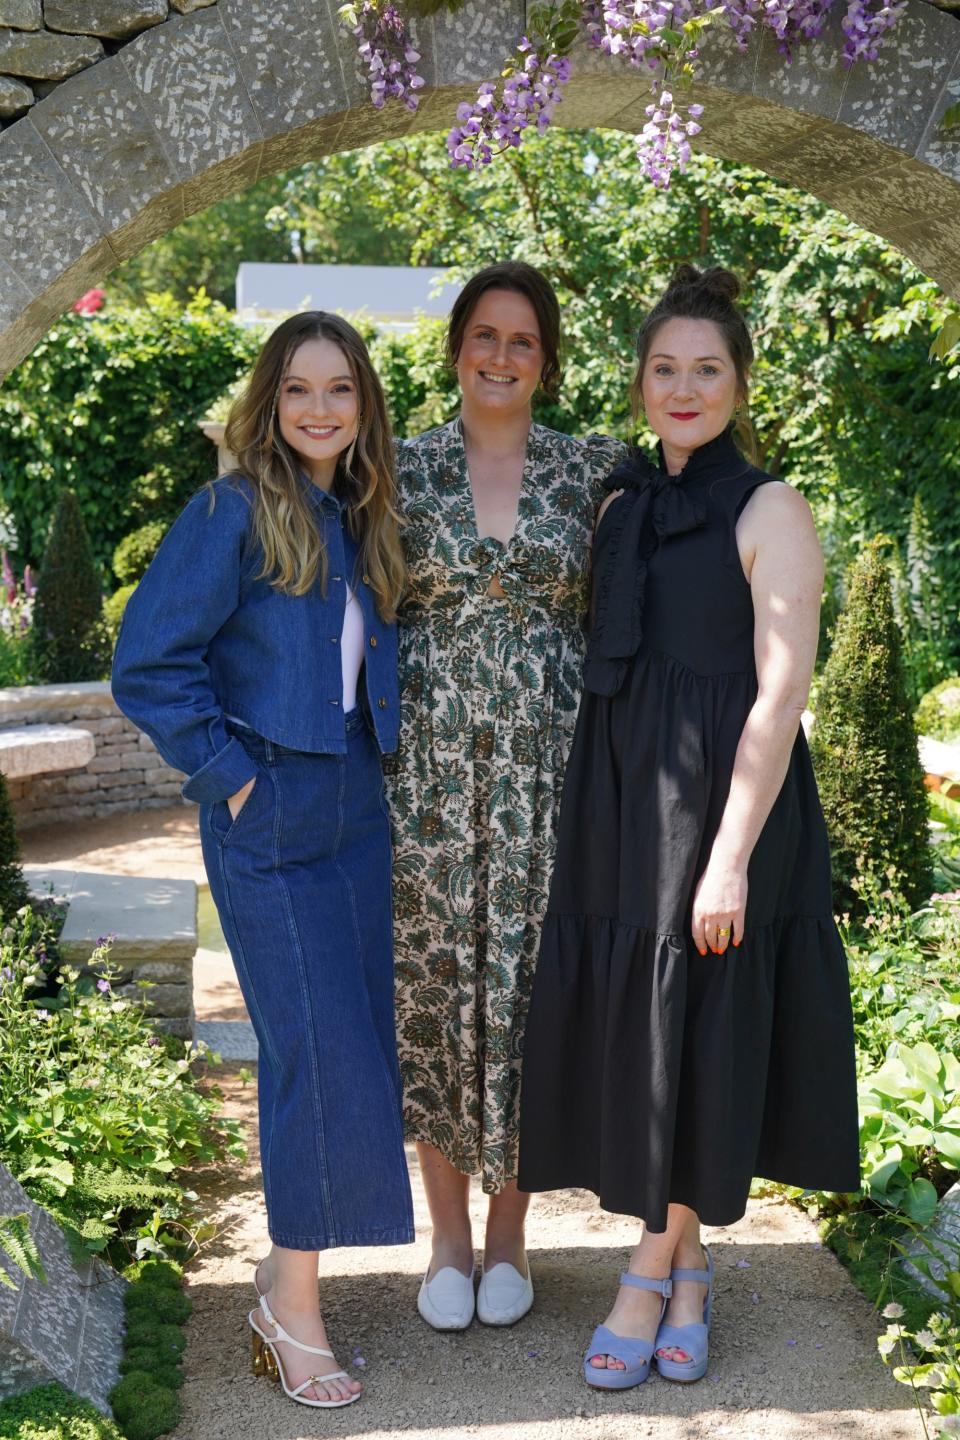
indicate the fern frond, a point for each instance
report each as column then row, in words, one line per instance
column 18, row 1245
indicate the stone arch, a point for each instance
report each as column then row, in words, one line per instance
column 216, row 93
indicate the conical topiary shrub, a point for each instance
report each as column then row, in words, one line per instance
column 864, row 747
column 68, row 634
column 13, row 887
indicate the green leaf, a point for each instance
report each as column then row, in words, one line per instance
column 951, row 117
column 920, row 1201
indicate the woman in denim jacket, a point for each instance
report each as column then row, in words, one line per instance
column 259, row 653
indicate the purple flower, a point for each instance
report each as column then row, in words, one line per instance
column 154, row 1041
column 6, row 973
column 384, row 45
column 104, row 987
column 43, row 1014
column 500, row 116
column 29, row 584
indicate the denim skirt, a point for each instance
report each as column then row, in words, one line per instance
column 301, row 881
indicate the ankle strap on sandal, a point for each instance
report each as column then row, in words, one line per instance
column 643, row 1282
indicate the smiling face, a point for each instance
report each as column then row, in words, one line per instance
column 318, row 408
column 689, row 387
column 501, row 357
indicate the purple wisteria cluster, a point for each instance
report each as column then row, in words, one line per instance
column 385, row 46
column 498, row 121
column 864, row 26
column 793, row 21
column 633, row 29
column 663, row 144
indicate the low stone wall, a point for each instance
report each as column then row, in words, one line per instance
column 126, row 773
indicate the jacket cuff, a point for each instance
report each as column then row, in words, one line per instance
column 229, row 770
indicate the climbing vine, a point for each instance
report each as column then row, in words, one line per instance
column 661, row 37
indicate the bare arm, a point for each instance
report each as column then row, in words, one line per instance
column 781, row 557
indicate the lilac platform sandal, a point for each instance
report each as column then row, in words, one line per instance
column 635, row 1354
column 694, row 1339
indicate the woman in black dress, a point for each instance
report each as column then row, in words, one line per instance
column 690, row 1023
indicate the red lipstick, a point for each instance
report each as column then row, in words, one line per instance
column 683, row 414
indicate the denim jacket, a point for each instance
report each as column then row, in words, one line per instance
column 203, row 639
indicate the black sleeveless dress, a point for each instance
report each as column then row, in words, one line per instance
column 652, row 1074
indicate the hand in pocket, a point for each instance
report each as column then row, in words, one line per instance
column 236, row 802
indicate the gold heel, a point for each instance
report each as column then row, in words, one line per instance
column 258, row 1355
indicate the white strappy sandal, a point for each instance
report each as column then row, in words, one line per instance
column 266, row 1361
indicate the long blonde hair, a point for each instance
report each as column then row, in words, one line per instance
column 294, row 555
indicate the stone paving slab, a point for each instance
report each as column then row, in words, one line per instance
column 43, row 749
column 148, row 919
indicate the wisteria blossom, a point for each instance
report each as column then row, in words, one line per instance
column 663, row 144
column 493, row 123
column 386, row 48
column 864, row 26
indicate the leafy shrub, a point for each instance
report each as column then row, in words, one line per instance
column 938, row 714
column 13, row 887
column 51, row 1413
column 113, row 610
column 910, row 1124
column 938, row 1371
column 136, row 550
column 95, row 1116
column 864, row 747
column 68, row 639
column 144, row 1409
column 108, row 406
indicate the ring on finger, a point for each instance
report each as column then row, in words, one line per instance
column 723, row 932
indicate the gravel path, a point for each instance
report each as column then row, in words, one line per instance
column 793, row 1350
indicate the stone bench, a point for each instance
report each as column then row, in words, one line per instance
column 44, row 750
column 154, row 928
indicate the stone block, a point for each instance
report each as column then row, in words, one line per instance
column 145, row 742
column 14, row 300
column 165, row 972
column 151, row 919
column 894, row 96
column 80, row 784
column 15, row 97
column 22, row 14
column 61, row 228
column 122, row 791
column 108, row 725
column 160, row 776
column 938, row 1245
column 181, row 1028
column 162, row 802
column 134, row 760
column 69, row 1330
column 173, row 1002
column 41, row 55
column 104, row 764
column 108, row 146
column 110, row 19
column 39, row 749
column 187, row 76
column 289, row 55
column 187, row 7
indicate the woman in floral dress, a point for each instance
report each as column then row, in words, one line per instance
column 500, row 515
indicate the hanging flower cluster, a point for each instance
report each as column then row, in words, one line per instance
column 386, row 48
column 663, row 37
column 500, row 116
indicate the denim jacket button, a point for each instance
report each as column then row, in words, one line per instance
column 373, row 641
column 382, row 703
column 334, row 702
column 336, row 577
column 334, row 639
column 366, row 579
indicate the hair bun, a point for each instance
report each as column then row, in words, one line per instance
column 716, row 281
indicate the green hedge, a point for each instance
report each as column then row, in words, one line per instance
column 938, row 714
column 51, row 1413
column 145, row 1400
column 108, row 407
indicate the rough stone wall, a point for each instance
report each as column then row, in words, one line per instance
column 125, row 774
column 43, row 42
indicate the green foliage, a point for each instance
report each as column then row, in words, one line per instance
column 113, row 610
column 870, row 1242
column 918, row 603
column 864, row 748
column 938, row 714
column 19, row 1246
column 51, row 1413
column 145, row 1401
column 108, row 406
column 142, row 1407
column 95, row 1117
column 136, row 550
column 68, row 641
column 13, row 887
column 938, row 1372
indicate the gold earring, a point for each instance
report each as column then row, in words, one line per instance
column 353, row 445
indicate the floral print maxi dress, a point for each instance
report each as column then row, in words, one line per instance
column 490, row 689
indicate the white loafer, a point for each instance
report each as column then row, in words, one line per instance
column 504, row 1295
column 447, row 1301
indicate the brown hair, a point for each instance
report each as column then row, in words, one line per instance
column 524, row 280
column 699, row 295
column 283, row 519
